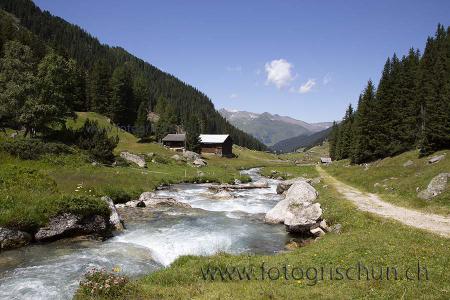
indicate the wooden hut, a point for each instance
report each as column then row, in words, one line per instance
column 176, row 142
column 219, row 144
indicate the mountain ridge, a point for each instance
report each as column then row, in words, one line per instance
column 271, row 128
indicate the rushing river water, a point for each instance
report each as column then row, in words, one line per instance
column 154, row 238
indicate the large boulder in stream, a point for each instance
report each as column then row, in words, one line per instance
column 286, row 184
column 150, row 199
column 299, row 211
column 69, row 225
column 10, row 239
column 114, row 217
column 223, row 195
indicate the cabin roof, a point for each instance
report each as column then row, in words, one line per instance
column 180, row 137
column 325, row 159
column 213, row 138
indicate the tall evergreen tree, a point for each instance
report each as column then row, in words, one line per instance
column 142, row 125
column 434, row 93
column 98, row 87
column 363, row 146
column 193, row 136
column 121, row 109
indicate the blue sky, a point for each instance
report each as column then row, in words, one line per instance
column 304, row 59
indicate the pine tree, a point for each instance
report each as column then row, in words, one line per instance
column 333, row 140
column 193, row 136
column 121, row 109
column 98, row 88
column 142, row 126
column 364, row 149
column 434, row 94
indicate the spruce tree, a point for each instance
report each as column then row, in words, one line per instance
column 142, row 126
column 193, row 136
column 364, row 149
column 98, row 87
column 121, row 109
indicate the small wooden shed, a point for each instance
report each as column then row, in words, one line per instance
column 219, row 144
column 175, row 142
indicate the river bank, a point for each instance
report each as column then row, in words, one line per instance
column 154, row 238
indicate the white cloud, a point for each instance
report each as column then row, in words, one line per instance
column 234, row 96
column 236, row 68
column 279, row 73
column 327, row 79
column 307, row 86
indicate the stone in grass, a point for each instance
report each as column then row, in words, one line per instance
column 317, row 231
column 408, row 163
column 134, row 159
column 436, row 186
column 436, row 159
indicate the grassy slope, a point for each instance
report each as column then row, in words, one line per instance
column 397, row 184
column 312, row 155
column 32, row 203
column 365, row 238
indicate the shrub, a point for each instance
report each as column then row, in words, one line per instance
column 99, row 283
column 33, row 148
column 95, row 140
column 82, row 205
column 119, row 195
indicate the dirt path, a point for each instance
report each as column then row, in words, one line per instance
column 373, row 204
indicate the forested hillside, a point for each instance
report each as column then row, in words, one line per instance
column 409, row 109
column 104, row 79
column 304, row 140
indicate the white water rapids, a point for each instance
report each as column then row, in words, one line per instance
column 154, row 239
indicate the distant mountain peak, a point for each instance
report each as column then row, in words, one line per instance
column 271, row 128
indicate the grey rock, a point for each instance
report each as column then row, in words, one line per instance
column 299, row 210
column 190, row 155
column 10, row 239
column 436, row 186
column 285, row 185
column 67, row 225
column 278, row 213
column 199, row 162
column 138, row 160
column 114, row 217
column 237, row 181
column 149, row 199
column 301, row 193
column 300, row 219
column 408, row 163
column 317, row 231
column 223, row 195
column 177, row 157
column 336, row 228
column 436, row 159
column 324, row 226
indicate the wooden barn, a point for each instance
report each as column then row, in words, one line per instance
column 219, row 144
column 176, row 142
